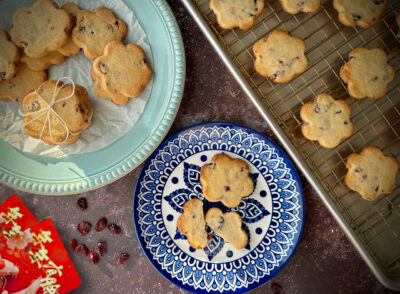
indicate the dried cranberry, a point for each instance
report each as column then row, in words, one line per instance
column 101, row 248
column 82, row 203
column 94, row 257
column 72, row 244
column 276, row 288
column 84, row 228
column 123, row 257
column 115, row 229
column 101, row 224
column 84, row 250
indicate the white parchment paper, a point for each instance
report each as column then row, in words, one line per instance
column 110, row 122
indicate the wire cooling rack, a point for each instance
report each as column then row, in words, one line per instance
column 374, row 227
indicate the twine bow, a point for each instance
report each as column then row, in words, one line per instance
column 49, row 110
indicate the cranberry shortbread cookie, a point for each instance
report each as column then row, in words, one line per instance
column 367, row 73
column 9, row 55
column 363, row 13
column 44, row 62
column 326, row 120
column 371, row 173
column 191, row 223
column 95, row 29
column 228, row 226
column 70, row 48
column 280, row 56
column 40, row 28
column 237, row 13
column 25, row 81
column 226, row 179
column 296, row 6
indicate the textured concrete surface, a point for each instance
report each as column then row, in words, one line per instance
column 324, row 262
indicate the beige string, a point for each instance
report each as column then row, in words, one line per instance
column 49, row 110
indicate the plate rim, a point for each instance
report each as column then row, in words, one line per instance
column 298, row 180
column 150, row 144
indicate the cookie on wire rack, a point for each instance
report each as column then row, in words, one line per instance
column 326, row 120
column 367, row 73
column 296, row 6
column 371, row 173
column 280, row 56
column 237, row 13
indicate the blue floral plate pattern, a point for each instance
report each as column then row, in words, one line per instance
column 273, row 215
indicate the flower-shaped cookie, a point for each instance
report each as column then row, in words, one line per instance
column 237, row 13
column 228, row 226
column 122, row 70
column 191, row 223
column 70, row 48
column 280, row 56
column 226, row 180
column 9, row 55
column 326, row 120
column 296, row 6
column 367, row 73
column 371, row 173
column 95, row 29
column 40, row 28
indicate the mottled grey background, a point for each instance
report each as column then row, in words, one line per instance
column 324, row 262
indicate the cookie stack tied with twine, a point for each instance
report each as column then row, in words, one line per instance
column 57, row 113
column 121, row 72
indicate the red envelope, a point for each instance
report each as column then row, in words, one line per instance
column 36, row 255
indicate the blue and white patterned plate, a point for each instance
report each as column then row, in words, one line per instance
column 273, row 215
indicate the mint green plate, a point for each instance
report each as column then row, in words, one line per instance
column 82, row 172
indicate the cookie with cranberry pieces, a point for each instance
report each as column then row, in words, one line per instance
column 367, row 73
column 95, row 29
column 371, row 173
column 363, row 13
column 237, row 13
column 68, row 117
column 296, row 6
column 70, row 48
column 280, row 56
column 326, row 120
column 122, row 70
column 40, row 28
column 9, row 55
column 226, row 179
column 228, row 226
column 25, row 81
column 191, row 224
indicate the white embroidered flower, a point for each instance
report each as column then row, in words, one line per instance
column 20, row 241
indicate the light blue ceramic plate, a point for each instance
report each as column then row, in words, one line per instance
column 77, row 173
column 273, row 215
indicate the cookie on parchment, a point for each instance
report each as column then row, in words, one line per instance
column 99, row 91
column 40, row 28
column 326, row 120
column 70, row 48
column 25, row 81
column 9, row 55
column 280, row 56
column 76, row 112
column 44, row 62
column 191, row 223
column 371, row 173
column 237, row 13
column 363, row 13
column 95, row 29
column 296, row 6
column 122, row 70
column 226, row 179
column 367, row 73
column 228, row 226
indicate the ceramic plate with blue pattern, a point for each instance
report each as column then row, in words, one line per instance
column 273, row 215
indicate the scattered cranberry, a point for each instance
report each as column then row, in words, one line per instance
column 84, row 228
column 85, row 250
column 276, row 288
column 115, row 229
column 101, row 224
column 94, row 257
column 101, row 248
column 123, row 257
column 72, row 244
column 82, row 203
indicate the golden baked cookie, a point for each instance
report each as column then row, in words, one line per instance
column 9, row 55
